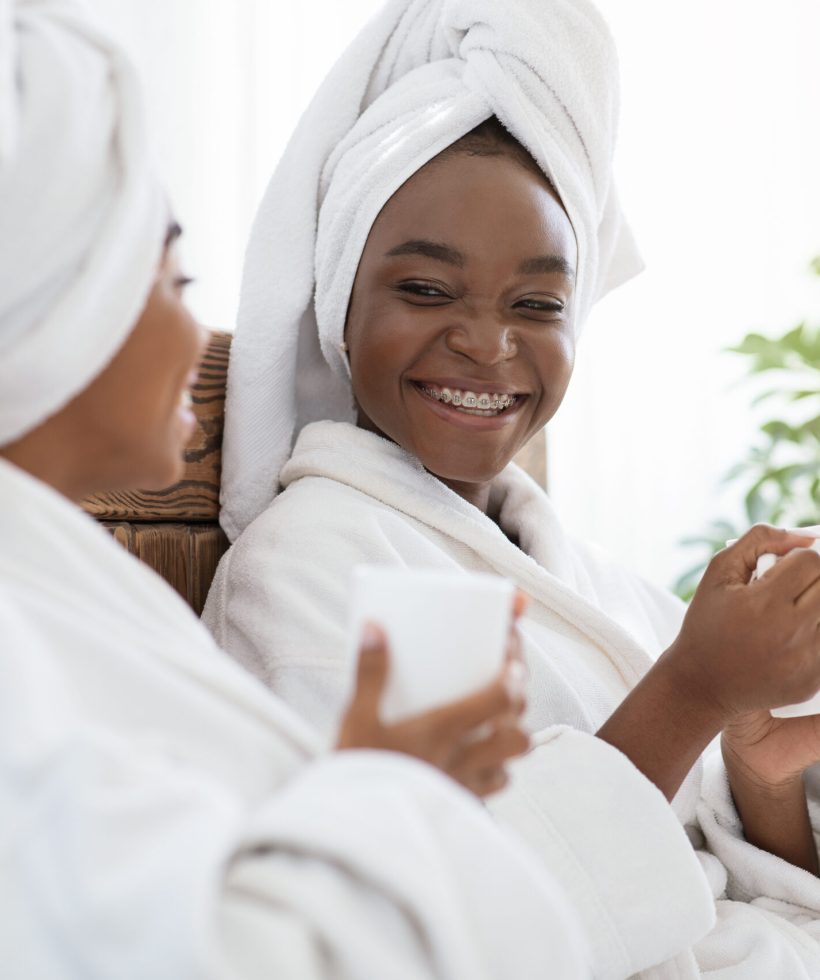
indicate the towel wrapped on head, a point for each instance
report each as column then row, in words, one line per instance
column 83, row 215
column 420, row 76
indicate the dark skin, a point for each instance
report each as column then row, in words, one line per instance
column 127, row 429
column 489, row 309
column 449, row 288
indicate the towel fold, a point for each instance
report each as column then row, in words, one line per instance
column 421, row 75
column 83, row 215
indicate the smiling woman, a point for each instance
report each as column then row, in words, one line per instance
column 460, row 331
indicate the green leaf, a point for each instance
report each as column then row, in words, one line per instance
column 796, row 396
column 757, row 508
column 779, row 431
column 810, row 429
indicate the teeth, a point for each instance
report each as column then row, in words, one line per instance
column 486, row 403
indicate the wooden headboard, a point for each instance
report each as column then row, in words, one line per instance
column 176, row 530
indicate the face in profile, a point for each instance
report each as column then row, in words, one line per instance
column 131, row 424
column 460, row 325
column 144, row 395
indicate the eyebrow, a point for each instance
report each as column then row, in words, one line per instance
column 540, row 265
column 546, row 264
column 433, row 250
column 172, row 234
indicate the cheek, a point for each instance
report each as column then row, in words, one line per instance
column 554, row 360
column 383, row 343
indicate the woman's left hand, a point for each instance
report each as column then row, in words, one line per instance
column 765, row 760
column 771, row 751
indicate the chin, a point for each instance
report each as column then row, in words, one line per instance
column 477, row 471
column 162, row 472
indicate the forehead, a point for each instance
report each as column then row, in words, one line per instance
column 480, row 205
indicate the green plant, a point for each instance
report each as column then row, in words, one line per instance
column 779, row 477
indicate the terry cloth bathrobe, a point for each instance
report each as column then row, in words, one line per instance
column 420, row 76
column 279, row 604
column 162, row 815
column 165, row 817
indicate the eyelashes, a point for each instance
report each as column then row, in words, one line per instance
column 424, row 289
column 182, row 281
column 431, row 291
column 541, row 306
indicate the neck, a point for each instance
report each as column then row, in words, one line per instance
column 477, row 494
column 51, row 468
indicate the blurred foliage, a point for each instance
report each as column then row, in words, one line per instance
column 779, row 477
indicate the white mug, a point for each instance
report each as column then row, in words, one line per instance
column 446, row 631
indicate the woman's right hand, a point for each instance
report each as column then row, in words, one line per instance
column 470, row 740
column 753, row 645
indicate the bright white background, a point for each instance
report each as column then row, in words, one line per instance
column 719, row 170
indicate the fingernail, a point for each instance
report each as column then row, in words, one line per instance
column 370, row 638
column 516, row 679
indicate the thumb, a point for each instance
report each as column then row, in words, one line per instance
column 739, row 560
column 371, row 672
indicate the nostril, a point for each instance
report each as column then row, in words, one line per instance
column 484, row 345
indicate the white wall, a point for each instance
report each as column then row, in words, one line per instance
column 226, row 81
column 719, row 160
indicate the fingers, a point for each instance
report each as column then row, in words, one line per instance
column 487, row 705
column 520, row 602
column 503, row 743
column 371, row 672
column 736, row 563
column 795, row 574
column 486, row 783
column 516, row 669
column 480, row 767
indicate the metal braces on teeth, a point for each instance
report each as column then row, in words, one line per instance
column 468, row 399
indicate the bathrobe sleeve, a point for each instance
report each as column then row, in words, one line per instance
column 612, row 840
column 754, row 875
column 120, row 860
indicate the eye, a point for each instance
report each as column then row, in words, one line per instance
column 419, row 290
column 182, row 281
column 543, row 306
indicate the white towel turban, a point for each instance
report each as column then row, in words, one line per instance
column 422, row 74
column 81, row 215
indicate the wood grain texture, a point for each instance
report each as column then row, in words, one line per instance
column 196, row 496
column 185, row 555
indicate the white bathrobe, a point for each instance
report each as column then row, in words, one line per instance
column 279, row 605
column 163, row 817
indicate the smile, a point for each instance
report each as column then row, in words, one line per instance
column 483, row 403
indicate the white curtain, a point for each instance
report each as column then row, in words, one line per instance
column 718, row 167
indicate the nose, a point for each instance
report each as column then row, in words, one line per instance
column 483, row 339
